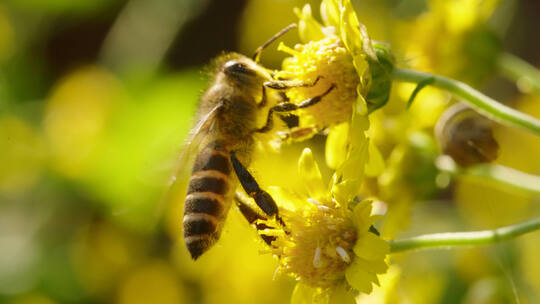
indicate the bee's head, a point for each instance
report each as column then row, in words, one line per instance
column 245, row 71
column 237, row 68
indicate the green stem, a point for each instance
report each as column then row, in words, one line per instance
column 504, row 176
column 523, row 73
column 473, row 238
column 483, row 104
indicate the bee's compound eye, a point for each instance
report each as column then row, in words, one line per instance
column 236, row 68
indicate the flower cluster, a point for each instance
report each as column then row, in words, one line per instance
column 327, row 240
column 325, row 235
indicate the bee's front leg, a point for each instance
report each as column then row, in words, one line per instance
column 264, row 98
column 278, row 84
column 288, row 107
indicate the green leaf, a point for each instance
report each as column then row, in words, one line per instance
column 422, row 84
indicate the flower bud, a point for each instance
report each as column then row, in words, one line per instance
column 466, row 136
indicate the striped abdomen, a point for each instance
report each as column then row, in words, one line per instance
column 208, row 199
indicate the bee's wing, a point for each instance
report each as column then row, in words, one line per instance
column 178, row 183
column 195, row 139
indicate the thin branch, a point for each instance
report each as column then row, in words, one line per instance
column 483, row 104
column 457, row 239
column 526, row 76
column 497, row 174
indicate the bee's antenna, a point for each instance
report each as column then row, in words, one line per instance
column 259, row 50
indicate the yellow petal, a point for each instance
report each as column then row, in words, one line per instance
column 336, row 145
column 330, row 13
column 359, row 125
column 344, row 191
column 304, row 294
column 371, row 247
column 287, row 199
column 311, row 175
column 375, row 164
column 349, row 29
column 348, row 177
column 377, row 266
column 353, row 33
column 367, row 46
column 308, row 28
column 353, row 167
column 354, row 36
column 359, row 279
column 388, row 289
column 361, row 104
column 361, row 216
column 340, row 295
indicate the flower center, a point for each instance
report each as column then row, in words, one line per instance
column 319, row 247
column 327, row 58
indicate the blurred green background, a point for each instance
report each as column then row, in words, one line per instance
column 96, row 97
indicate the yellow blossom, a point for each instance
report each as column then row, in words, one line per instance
column 340, row 54
column 328, row 243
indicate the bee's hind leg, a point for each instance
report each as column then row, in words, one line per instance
column 251, row 187
column 252, row 216
column 288, row 107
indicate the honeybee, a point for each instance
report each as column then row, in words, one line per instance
column 466, row 136
column 223, row 141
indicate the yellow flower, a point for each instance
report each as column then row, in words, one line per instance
column 328, row 243
column 339, row 53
